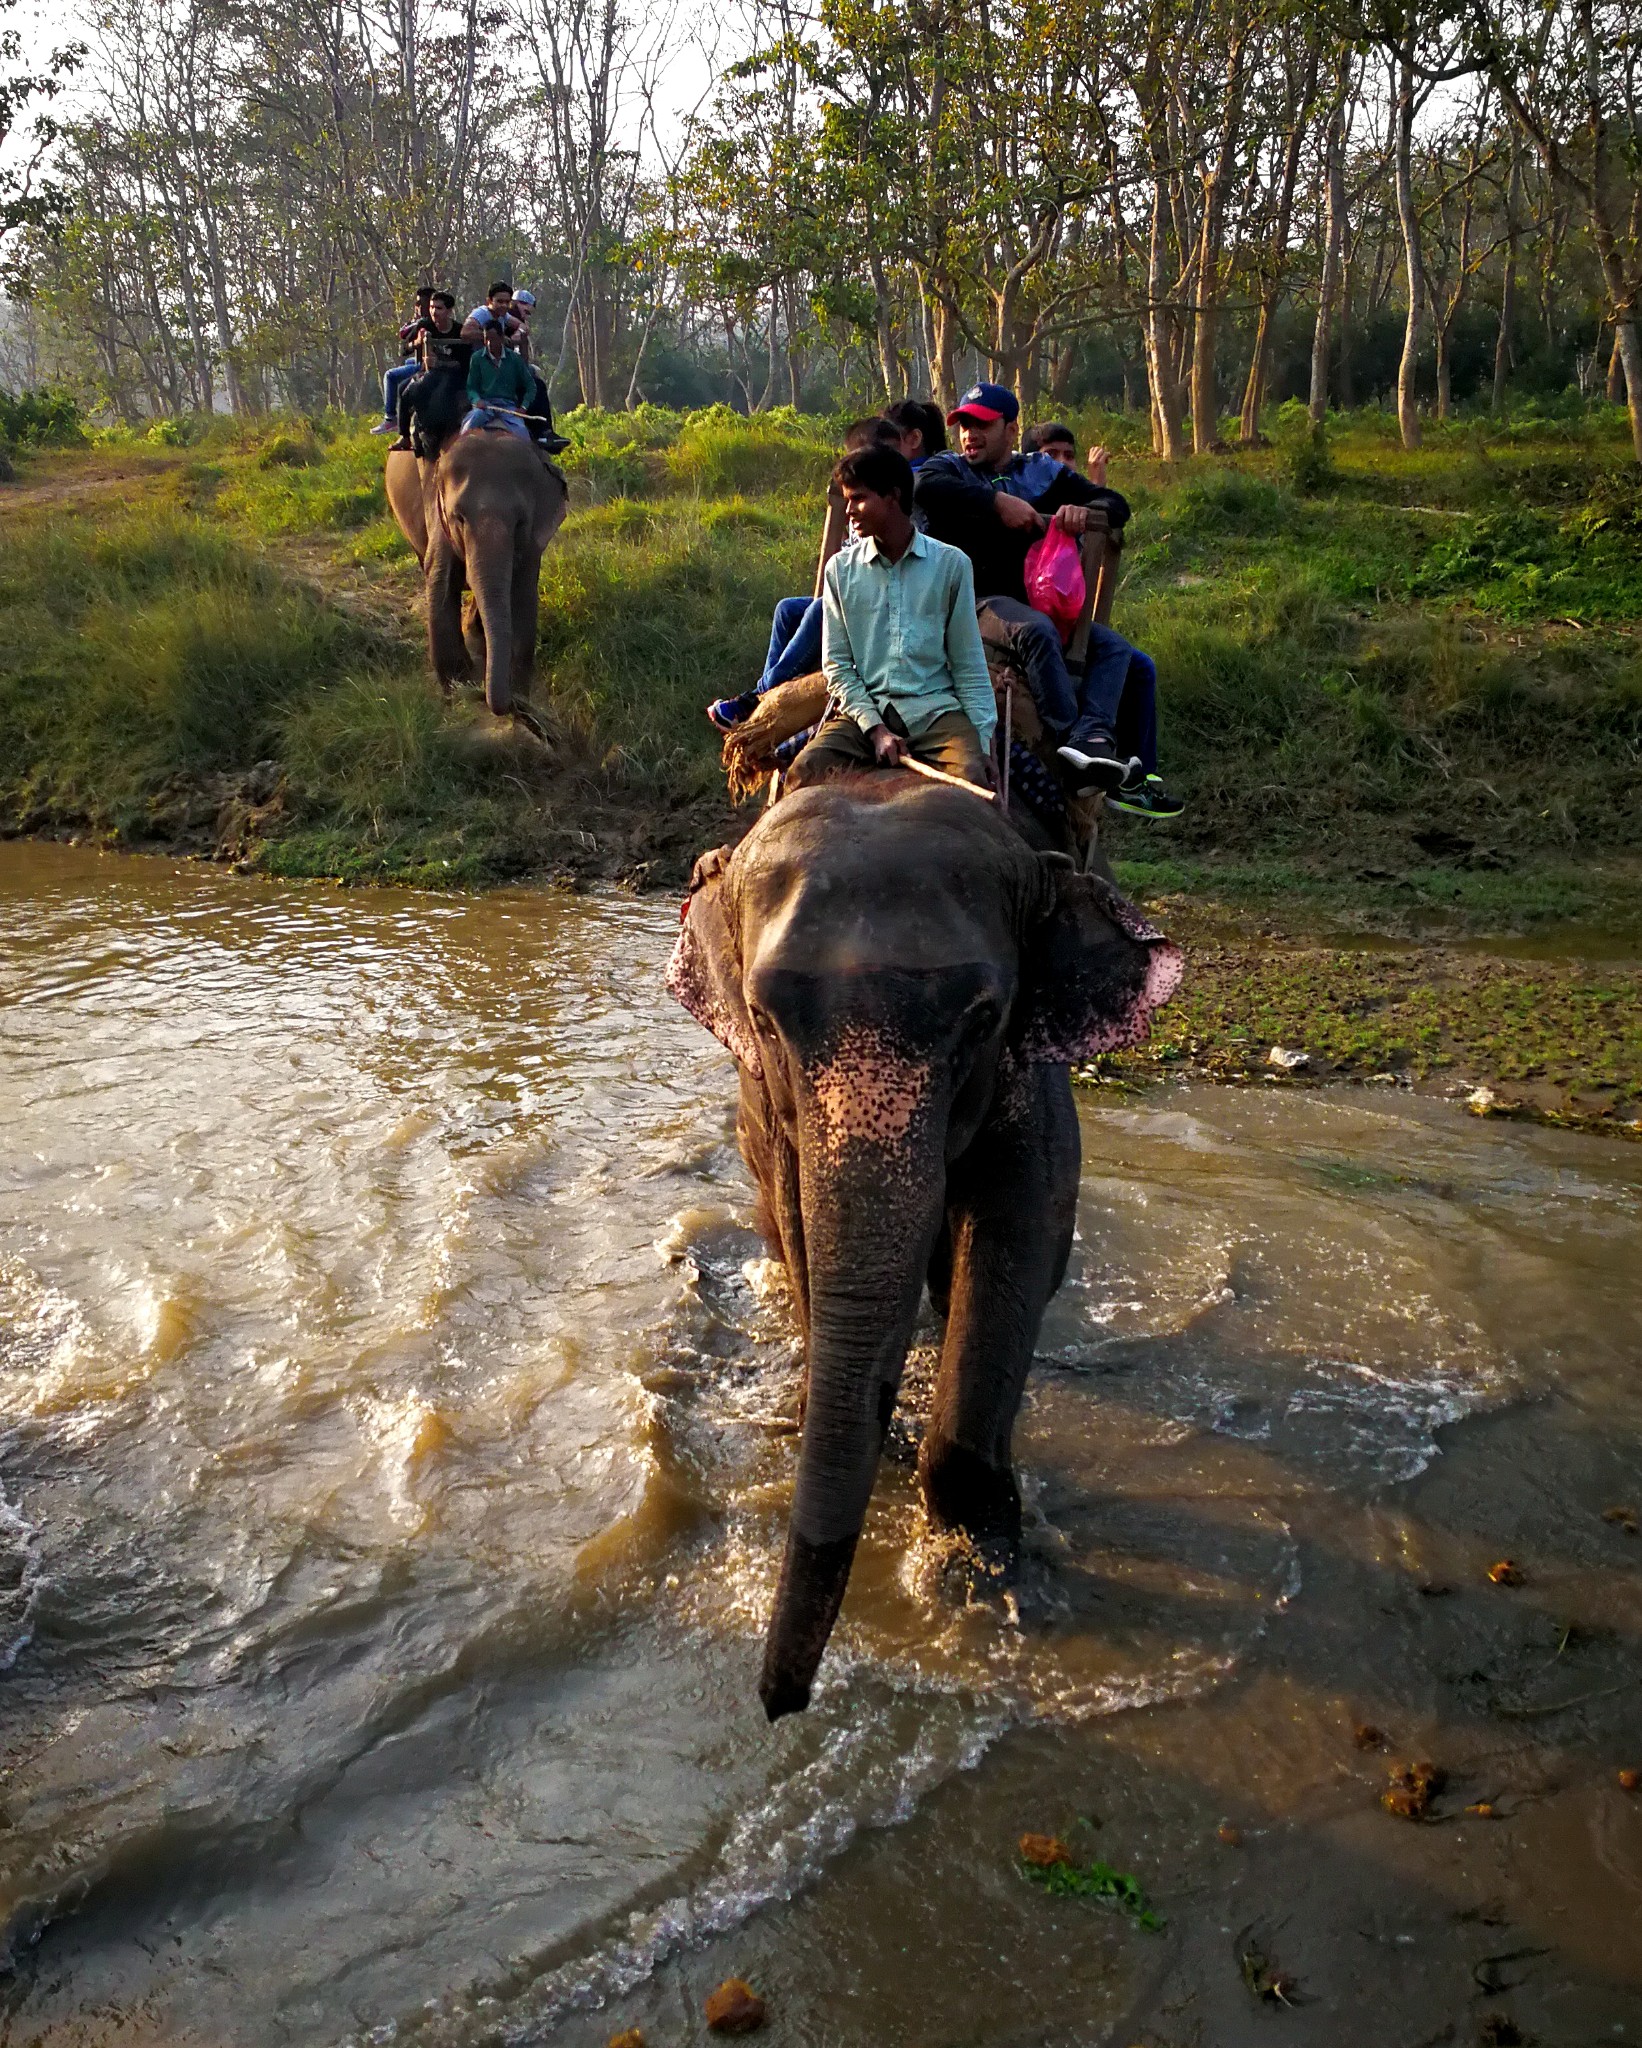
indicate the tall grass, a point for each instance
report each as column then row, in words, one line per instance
column 1354, row 650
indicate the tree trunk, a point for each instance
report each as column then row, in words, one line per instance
column 1254, row 392
column 1347, row 386
column 1210, row 249
column 1408, row 418
column 1334, row 208
column 1503, row 351
column 1442, row 336
column 890, row 368
column 1168, row 444
column 1629, row 351
column 1616, row 373
column 945, row 339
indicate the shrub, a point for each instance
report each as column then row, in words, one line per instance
column 720, row 451
column 1303, row 450
column 290, row 451
column 46, row 418
column 1220, row 500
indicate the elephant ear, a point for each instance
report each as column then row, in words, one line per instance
column 1092, row 972
column 704, row 973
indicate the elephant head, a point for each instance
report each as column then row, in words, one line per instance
column 887, row 961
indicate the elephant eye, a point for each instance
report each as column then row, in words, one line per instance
column 980, row 1020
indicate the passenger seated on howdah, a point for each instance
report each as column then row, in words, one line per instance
column 994, row 504
column 512, row 311
column 432, row 403
column 433, row 397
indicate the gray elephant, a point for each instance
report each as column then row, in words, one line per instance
column 480, row 518
column 903, row 982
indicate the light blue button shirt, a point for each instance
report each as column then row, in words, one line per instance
column 904, row 633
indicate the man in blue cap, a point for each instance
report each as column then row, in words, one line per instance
column 994, row 503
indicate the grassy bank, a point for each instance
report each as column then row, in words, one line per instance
column 1401, row 693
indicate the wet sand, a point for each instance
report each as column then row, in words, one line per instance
column 395, row 1404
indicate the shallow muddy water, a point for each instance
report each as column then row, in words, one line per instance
column 396, row 1409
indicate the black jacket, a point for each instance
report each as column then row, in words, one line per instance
column 956, row 500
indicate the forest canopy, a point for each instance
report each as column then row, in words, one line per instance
column 1189, row 208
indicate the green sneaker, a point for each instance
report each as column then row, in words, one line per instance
column 1146, row 799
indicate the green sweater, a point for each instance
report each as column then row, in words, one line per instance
column 507, row 382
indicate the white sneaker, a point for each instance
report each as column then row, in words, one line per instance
column 387, row 427
column 1097, row 764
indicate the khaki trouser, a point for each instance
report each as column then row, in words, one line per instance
column 949, row 743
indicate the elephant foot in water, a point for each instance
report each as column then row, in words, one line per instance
column 979, row 1504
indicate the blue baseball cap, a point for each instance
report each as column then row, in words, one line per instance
column 986, row 402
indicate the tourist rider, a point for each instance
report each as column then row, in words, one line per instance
column 923, row 432
column 524, row 307
column 499, row 385
column 993, row 503
column 440, row 350
column 900, row 646
column 795, row 631
column 497, row 310
column 1135, row 726
column 395, row 380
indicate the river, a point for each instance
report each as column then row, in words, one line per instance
column 396, row 1411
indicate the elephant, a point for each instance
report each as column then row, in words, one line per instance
column 904, row 981
column 480, row 517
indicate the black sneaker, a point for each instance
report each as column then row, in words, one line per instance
column 1146, row 798
column 555, row 444
column 1097, row 764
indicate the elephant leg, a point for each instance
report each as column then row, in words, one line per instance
column 1012, row 1202
column 527, row 579
column 445, row 647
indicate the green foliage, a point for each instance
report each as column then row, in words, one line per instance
column 1584, row 564
column 1302, row 446
column 1339, row 670
column 723, row 451
column 1221, row 500
column 152, row 648
column 289, row 451
column 42, row 419
column 294, row 484
column 1095, row 1881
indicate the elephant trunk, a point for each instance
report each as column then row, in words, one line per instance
column 870, row 1222
column 490, row 548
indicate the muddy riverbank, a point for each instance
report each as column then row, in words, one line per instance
column 396, row 1441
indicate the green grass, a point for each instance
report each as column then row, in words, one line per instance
column 1360, row 650
column 1402, row 694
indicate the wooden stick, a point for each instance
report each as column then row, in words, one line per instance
column 940, row 775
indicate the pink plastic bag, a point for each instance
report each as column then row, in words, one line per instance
column 1054, row 579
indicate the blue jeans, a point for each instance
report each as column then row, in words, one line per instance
column 488, row 416
column 1034, row 643
column 394, row 381
column 1119, row 696
column 795, row 642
